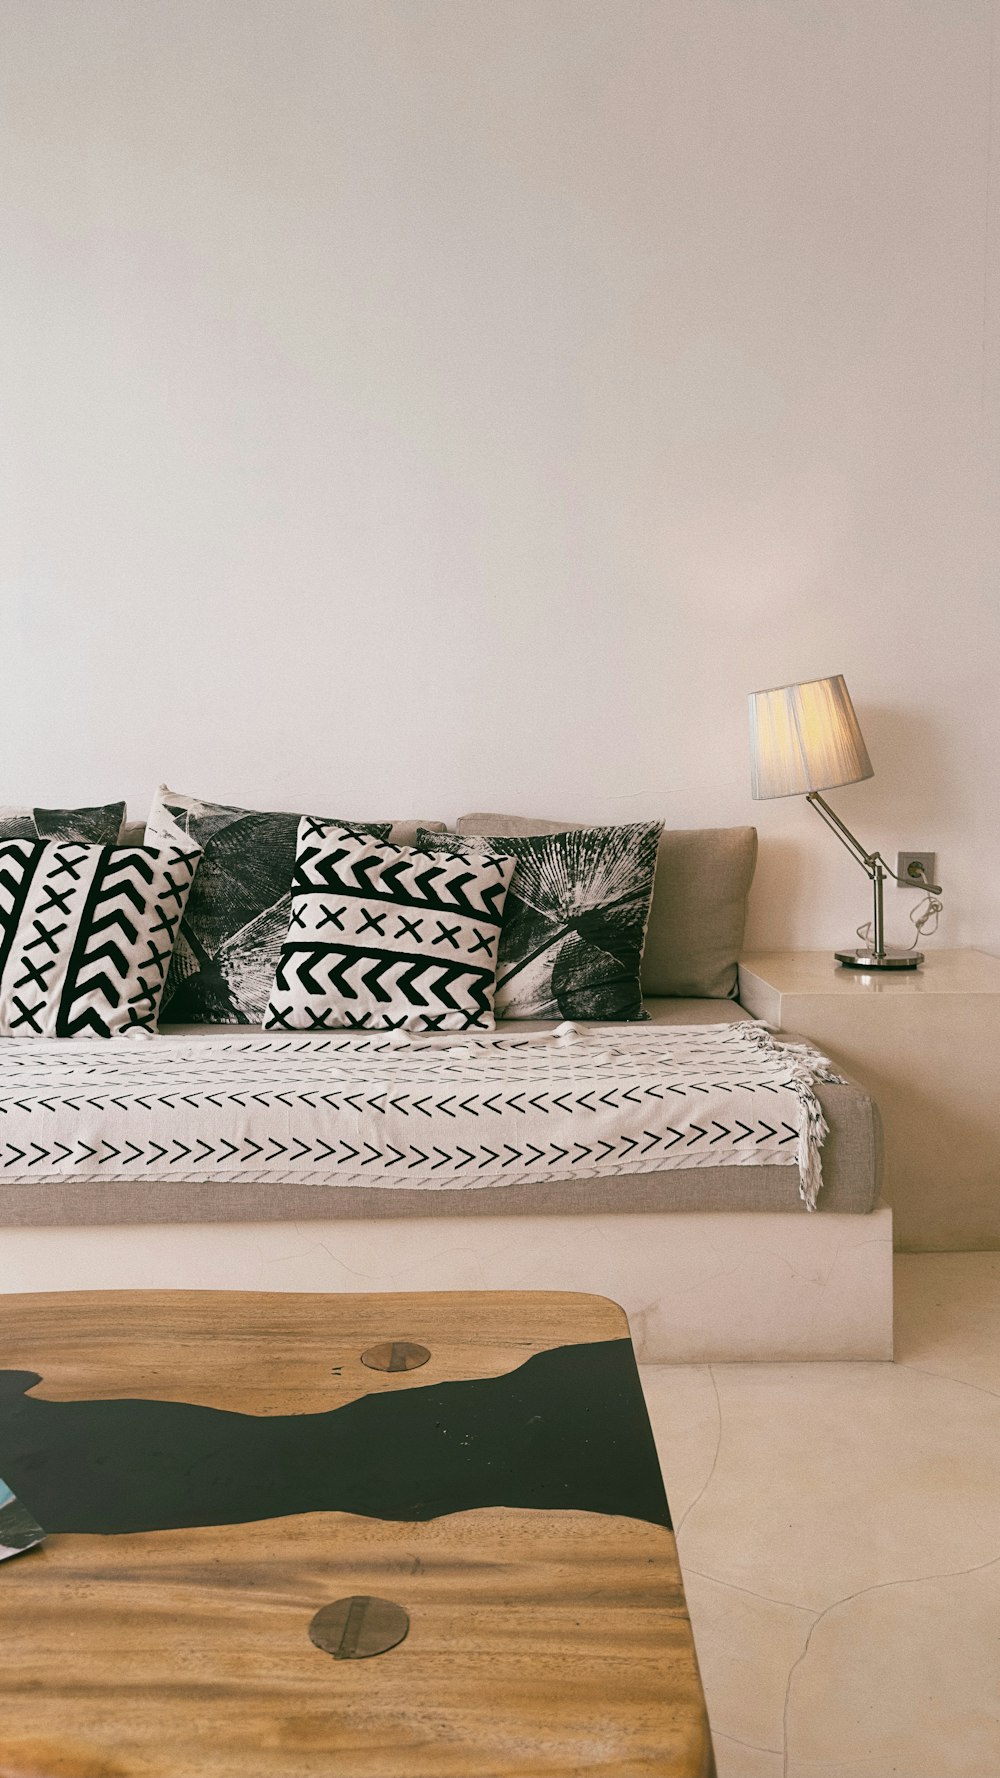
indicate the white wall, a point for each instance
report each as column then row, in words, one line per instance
column 415, row 405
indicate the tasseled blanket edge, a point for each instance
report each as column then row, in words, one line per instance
column 808, row 1066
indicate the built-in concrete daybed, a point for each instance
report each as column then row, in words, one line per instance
column 716, row 1262
column 720, row 1262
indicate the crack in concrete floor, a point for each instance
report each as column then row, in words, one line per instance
column 913, row 1580
column 715, row 1457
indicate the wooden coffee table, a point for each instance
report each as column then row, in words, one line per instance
column 240, row 1511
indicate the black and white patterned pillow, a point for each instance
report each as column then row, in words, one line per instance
column 237, row 914
column 99, row 826
column 386, row 937
column 574, row 922
column 86, row 934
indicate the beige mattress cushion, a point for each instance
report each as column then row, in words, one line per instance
column 852, row 1173
column 695, row 932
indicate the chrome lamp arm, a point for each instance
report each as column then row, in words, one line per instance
column 843, row 833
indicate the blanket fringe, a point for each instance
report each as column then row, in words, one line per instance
column 808, row 1065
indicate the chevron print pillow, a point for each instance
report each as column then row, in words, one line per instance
column 86, row 934
column 575, row 920
column 387, row 937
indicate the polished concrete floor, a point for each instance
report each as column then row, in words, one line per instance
column 839, row 1533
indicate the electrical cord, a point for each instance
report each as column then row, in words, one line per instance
column 921, row 913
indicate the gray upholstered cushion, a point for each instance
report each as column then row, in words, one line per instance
column 852, row 1174
column 696, row 922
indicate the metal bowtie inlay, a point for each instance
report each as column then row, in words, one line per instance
column 395, row 1355
column 353, row 1629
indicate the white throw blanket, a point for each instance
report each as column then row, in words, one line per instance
column 392, row 1110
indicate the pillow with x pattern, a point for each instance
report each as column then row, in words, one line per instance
column 385, row 937
column 86, row 934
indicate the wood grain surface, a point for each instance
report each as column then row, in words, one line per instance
column 279, row 1352
column 541, row 1645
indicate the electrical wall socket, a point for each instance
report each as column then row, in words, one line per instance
column 915, row 868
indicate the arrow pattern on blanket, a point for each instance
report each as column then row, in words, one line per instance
column 202, row 1154
column 334, row 1109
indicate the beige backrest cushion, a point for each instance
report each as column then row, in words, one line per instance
column 404, row 833
column 695, row 932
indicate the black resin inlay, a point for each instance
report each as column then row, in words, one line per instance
column 567, row 1430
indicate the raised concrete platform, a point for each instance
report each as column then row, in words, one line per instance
column 925, row 1043
column 697, row 1286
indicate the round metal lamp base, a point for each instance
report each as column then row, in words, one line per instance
column 887, row 959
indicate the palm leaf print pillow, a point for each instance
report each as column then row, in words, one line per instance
column 574, row 921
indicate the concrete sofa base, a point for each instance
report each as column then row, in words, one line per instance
column 697, row 1286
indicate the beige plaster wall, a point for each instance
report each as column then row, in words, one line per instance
column 433, row 404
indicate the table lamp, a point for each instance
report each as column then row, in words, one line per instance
column 805, row 739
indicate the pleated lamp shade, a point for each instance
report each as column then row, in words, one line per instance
column 805, row 737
